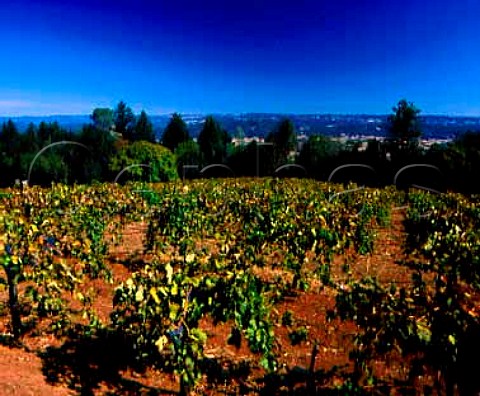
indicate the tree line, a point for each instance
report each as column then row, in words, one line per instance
column 119, row 145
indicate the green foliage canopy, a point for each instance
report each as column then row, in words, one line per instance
column 213, row 140
column 284, row 140
column 143, row 129
column 153, row 163
column 175, row 133
column 317, row 151
column 102, row 118
column 188, row 153
column 124, row 120
column 404, row 124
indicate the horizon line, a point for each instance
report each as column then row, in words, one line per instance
column 247, row 113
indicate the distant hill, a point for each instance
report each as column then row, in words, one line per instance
column 72, row 122
column 260, row 124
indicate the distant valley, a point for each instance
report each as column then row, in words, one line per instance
column 260, row 124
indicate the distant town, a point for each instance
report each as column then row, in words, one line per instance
column 255, row 126
column 360, row 141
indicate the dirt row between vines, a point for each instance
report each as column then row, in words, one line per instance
column 48, row 366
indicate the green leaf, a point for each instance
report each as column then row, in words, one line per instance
column 198, row 335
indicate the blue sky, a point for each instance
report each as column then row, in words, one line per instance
column 302, row 56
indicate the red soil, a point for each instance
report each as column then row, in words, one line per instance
column 43, row 359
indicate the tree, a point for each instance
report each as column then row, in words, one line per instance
column 284, row 140
column 318, row 153
column 243, row 160
column 404, row 125
column 10, row 141
column 49, row 132
column 124, row 120
column 58, row 163
column 101, row 145
column 143, row 129
column 188, row 153
column 213, row 141
column 9, row 138
column 102, row 118
column 30, row 139
column 43, row 134
column 148, row 162
column 460, row 160
column 175, row 133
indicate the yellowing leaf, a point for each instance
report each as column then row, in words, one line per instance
column 161, row 342
column 139, row 295
column 173, row 312
column 169, row 271
column 153, row 293
column 163, row 291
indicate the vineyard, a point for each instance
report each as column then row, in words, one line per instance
column 242, row 286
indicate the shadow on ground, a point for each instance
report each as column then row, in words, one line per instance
column 86, row 363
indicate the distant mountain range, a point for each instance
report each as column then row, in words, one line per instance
column 260, row 124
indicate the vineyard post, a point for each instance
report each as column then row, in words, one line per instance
column 12, row 280
column 311, row 385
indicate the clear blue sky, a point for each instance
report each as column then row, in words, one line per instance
column 300, row 56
